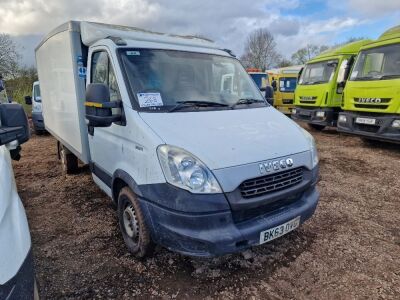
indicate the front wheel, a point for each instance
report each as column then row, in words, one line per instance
column 316, row 126
column 132, row 224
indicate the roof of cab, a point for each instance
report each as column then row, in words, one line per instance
column 350, row 48
column 92, row 32
column 391, row 33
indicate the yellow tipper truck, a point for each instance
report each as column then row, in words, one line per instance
column 284, row 81
column 372, row 95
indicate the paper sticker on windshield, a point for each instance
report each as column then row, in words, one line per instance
column 129, row 53
column 149, row 99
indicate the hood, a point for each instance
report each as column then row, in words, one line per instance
column 229, row 138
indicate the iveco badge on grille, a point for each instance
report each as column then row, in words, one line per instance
column 275, row 165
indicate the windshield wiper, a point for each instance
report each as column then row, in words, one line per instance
column 191, row 103
column 389, row 76
column 246, row 101
column 364, row 78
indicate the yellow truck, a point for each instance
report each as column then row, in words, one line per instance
column 371, row 102
column 284, row 81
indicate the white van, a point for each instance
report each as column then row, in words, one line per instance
column 178, row 135
column 17, row 280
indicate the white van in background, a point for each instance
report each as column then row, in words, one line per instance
column 199, row 165
column 36, row 101
column 17, row 280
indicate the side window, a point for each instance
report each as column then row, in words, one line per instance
column 103, row 72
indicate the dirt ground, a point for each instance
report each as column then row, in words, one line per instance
column 350, row 249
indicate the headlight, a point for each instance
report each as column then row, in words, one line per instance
column 320, row 114
column 36, row 107
column 396, row 124
column 313, row 148
column 342, row 119
column 184, row 170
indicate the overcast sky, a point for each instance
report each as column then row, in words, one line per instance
column 294, row 23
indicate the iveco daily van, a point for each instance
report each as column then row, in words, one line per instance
column 17, row 280
column 318, row 94
column 178, row 135
column 372, row 96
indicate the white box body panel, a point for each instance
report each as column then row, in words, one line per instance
column 63, row 91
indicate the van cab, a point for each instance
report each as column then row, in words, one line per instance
column 36, row 101
column 195, row 162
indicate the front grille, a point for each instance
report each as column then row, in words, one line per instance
column 366, row 128
column 248, row 214
column 371, row 106
column 271, row 183
column 307, row 102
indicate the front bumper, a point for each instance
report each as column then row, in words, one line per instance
column 21, row 286
column 383, row 129
column 38, row 122
column 285, row 109
column 209, row 234
column 309, row 115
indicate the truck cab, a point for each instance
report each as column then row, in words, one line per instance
column 17, row 280
column 371, row 106
column 178, row 135
column 283, row 82
column 318, row 94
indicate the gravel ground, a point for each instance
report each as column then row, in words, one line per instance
column 350, row 249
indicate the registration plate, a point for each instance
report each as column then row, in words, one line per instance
column 273, row 233
column 367, row 121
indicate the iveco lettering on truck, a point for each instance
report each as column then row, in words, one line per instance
column 372, row 95
column 318, row 94
column 178, row 135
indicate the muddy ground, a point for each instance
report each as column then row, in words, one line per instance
column 350, row 248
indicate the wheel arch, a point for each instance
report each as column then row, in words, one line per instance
column 121, row 179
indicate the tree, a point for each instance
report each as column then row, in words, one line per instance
column 9, row 57
column 303, row 55
column 284, row 63
column 260, row 50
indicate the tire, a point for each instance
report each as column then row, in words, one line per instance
column 132, row 224
column 69, row 162
column 38, row 131
column 316, row 126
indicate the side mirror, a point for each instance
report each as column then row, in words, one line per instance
column 274, row 85
column 269, row 94
column 28, row 100
column 99, row 107
column 14, row 127
column 340, row 87
column 299, row 75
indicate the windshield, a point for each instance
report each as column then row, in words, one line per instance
column 261, row 80
column 287, row 84
column 36, row 93
column 316, row 73
column 377, row 63
column 163, row 79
